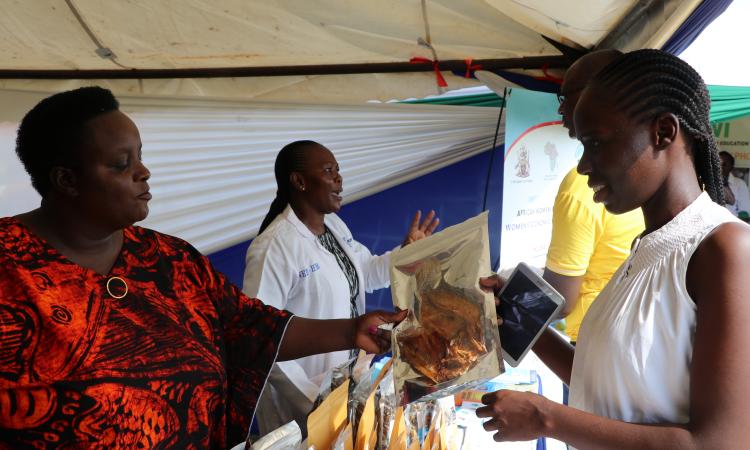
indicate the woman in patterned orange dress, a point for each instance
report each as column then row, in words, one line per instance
column 117, row 336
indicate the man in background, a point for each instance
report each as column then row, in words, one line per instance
column 588, row 243
column 736, row 193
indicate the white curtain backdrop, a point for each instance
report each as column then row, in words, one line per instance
column 212, row 161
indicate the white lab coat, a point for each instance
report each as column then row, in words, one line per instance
column 288, row 268
column 741, row 195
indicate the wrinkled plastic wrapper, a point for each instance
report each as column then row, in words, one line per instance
column 386, row 410
column 353, row 369
column 449, row 341
column 418, row 418
column 431, row 421
column 285, row 437
column 358, row 396
column 344, row 439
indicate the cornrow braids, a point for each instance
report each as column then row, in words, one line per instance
column 290, row 159
column 646, row 83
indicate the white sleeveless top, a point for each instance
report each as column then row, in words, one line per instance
column 632, row 360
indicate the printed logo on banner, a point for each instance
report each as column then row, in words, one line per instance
column 550, row 149
column 538, row 155
column 522, row 164
column 734, row 137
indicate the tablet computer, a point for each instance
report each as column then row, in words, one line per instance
column 527, row 306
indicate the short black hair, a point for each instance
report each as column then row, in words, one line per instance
column 645, row 83
column 728, row 155
column 51, row 132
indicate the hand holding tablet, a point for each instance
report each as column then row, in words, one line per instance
column 528, row 304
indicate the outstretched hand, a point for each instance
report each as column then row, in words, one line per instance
column 372, row 339
column 421, row 230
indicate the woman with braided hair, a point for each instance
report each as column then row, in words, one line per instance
column 305, row 260
column 662, row 359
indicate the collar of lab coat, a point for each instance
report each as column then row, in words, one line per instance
column 301, row 227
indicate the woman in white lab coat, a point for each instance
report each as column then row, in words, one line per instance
column 306, row 261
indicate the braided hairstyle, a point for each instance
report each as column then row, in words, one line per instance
column 646, row 83
column 290, row 159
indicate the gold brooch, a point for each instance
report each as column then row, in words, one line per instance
column 120, row 290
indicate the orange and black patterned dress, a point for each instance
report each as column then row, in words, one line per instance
column 178, row 362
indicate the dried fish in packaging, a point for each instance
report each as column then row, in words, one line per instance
column 450, row 338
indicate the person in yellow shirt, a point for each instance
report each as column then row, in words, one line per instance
column 588, row 243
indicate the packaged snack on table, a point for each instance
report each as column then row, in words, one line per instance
column 450, row 339
column 386, row 410
column 285, row 437
column 326, row 422
column 344, row 441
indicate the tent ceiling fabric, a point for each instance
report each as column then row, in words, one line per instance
column 185, row 34
column 579, row 23
column 189, row 34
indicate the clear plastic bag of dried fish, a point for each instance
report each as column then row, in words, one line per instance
column 449, row 341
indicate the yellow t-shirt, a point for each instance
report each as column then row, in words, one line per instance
column 588, row 241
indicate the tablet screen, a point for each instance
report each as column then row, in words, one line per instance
column 525, row 310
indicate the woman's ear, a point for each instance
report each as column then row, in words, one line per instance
column 64, row 181
column 297, row 180
column 666, row 128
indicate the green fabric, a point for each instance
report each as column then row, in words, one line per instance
column 488, row 100
column 727, row 102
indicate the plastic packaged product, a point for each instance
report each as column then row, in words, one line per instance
column 398, row 436
column 285, row 437
column 366, row 388
column 437, row 423
column 365, row 397
column 418, row 417
column 352, row 370
column 325, row 422
column 344, row 441
column 359, row 394
column 450, row 339
column 366, row 437
column 386, row 410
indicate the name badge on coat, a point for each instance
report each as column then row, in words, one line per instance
column 306, row 272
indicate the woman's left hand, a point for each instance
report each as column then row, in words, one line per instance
column 419, row 230
column 369, row 337
column 515, row 416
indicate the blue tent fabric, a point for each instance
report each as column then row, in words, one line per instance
column 525, row 81
column 703, row 15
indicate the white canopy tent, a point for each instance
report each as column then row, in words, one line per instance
column 364, row 42
column 217, row 87
column 189, row 73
